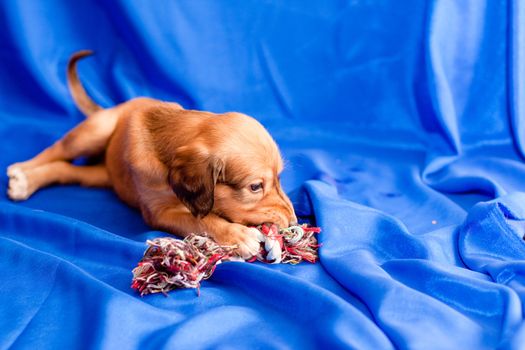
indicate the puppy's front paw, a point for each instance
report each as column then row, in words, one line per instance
column 245, row 238
column 18, row 189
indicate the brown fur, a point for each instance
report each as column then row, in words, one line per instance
column 186, row 171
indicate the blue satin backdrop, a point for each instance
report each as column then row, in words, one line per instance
column 403, row 127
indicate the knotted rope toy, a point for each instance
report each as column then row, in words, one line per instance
column 169, row 263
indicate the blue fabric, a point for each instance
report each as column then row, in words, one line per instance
column 403, row 127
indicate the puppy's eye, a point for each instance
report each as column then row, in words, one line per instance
column 256, row 187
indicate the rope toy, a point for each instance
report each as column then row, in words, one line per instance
column 169, row 263
column 289, row 245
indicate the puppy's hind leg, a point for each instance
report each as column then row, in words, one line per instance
column 89, row 138
column 24, row 184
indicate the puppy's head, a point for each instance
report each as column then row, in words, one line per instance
column 232, row 169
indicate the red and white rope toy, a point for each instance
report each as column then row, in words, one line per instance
column 289, row 245
column 170, row 263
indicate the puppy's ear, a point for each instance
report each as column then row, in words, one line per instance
column 193, row 175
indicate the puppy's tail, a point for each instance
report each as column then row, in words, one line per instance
column 80, row 96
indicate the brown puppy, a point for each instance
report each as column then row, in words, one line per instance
column 187, row 171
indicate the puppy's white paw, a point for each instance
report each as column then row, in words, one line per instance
column 13, row 169
column 246, row 239
column 18, row 189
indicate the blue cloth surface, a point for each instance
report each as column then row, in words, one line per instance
column 403, row 128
